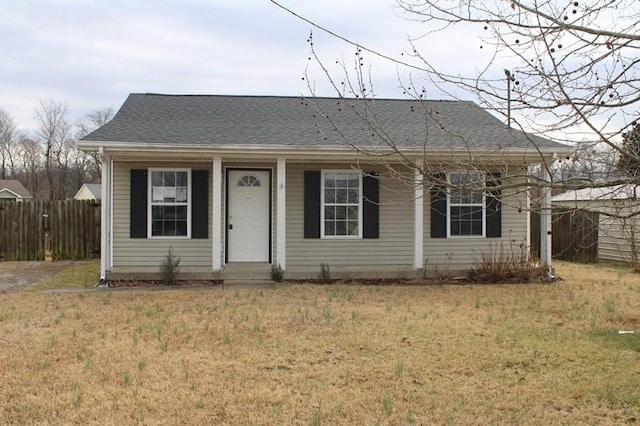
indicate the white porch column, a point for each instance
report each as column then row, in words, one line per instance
column 105, row 214
column 418, row 220
column 545, row 220
column 216, row 214
column 281, row 214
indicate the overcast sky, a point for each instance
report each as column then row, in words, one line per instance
column 92, row 54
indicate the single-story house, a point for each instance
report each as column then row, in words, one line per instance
column 236, row 184
column 618, row 208
column 89, row 191
column 11, row 189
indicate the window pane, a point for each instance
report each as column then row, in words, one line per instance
column 353, row 227
column 465, row 228
column 476, row 228
column 181, row 179
column 156, row 178
column 352, row 213
column 341, row 228
column 455, row 228
column 329, row 181
column 341, row 196
column 329, row 228
column 181, row 212
column 181, row 195
column 169, row 179
column 181, row 227
column 353, row 196
column 354, row 181
column 341, row 212
column 329, row 213
column 329, row 196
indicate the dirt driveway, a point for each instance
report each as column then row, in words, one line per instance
column 16, row 275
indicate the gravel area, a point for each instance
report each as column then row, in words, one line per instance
column 17, row 275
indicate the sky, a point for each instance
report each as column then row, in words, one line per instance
column 92, row 54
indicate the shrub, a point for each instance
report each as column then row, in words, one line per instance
column 169, row 268
column 500, row 265
column 325, row 273
column 277, row 273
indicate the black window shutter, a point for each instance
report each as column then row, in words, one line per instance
column 438, row 206
column 494, row 206
column 200, row 204
column 312, row 203
column 370, row 205
column 138, row 204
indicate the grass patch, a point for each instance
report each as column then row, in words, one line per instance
column 613, row 340
column 307, row 354
column 84, row 274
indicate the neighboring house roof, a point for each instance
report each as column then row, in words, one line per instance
column 14, row 187
column 219, row 120
column 614, row 192
column 89, row 191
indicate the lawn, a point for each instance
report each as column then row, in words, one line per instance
column 326, row 354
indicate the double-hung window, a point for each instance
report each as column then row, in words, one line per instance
column 466, row 204
column 169, row 210
column 341, row 204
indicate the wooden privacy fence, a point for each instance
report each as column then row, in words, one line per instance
column 574, row 235
column 65, row 229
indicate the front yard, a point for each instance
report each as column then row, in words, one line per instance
column 311, row 354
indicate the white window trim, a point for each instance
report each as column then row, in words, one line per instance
column 482, row 205
column 150, row 203
column 360, row 196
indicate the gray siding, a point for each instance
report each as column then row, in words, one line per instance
column 392, row 251
column 146, row 254
column 615, row 236
column 459, row 253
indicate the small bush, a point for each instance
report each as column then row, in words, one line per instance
column 512, row 265
column 277, row 273
column 169, row 268
column 325, row 273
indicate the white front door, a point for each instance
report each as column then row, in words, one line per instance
column 248, row 216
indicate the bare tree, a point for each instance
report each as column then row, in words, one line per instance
column 31, row 154
column 572, row 66
column 86, row 125
column 8, row 146
column 55, row 133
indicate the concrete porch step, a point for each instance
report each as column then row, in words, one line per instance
column 257, row 271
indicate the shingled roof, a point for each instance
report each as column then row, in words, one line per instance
column 14, row 187
column 312, row 122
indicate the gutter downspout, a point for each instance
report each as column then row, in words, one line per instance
column 105, row 229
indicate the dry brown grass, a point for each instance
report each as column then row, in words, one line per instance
column 310, row 354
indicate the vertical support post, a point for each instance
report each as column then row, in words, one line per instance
column 105, row 214
column 545, row 220
column 216, row 214
column 281, row 213
column 418, row 220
